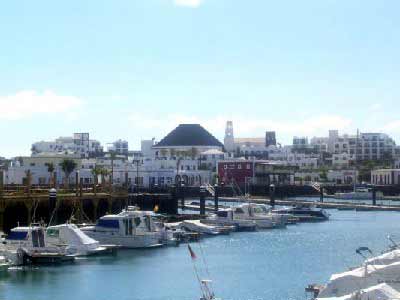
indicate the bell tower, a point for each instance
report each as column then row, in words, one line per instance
column 229, row 141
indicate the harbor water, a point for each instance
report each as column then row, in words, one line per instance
column 272, row 264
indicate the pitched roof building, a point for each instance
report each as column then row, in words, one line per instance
column 187, row 136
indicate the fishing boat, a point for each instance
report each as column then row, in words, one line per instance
column 27, row 246
column 131, row 228
column 75, row 241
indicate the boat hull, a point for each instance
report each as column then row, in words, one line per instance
column 134, row 241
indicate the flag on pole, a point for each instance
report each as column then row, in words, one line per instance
column 192, row 254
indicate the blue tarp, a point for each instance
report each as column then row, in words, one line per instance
column 17, row 235
column 108, row 223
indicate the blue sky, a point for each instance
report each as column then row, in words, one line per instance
column 135, row 69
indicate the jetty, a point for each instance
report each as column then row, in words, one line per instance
column 327, row 205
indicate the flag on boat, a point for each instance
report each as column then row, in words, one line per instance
column 192, row 254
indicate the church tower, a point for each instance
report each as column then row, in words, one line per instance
column 229, row 141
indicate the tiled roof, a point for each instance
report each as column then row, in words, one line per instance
column 189, row 135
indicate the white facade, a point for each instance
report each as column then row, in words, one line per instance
column 342, row 160
column 285, row 156
column 385, row 176
column 120, row 147
column 79, row 144
column 364, row 146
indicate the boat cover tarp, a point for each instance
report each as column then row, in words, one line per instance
column 378, row 292
column 366, row 276
column 385, row 259
column 17, row 235
column 71, row 234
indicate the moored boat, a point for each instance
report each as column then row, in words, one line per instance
column 28, row 246
column 131, row 228
column 75, row 241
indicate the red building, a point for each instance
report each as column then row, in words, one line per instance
column 236, row 171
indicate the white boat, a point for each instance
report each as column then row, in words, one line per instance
column 129, row 229
column 359, row 193
column 199, row 227
column 226, row 217
column 385, row 259
column 28, row 245
column 364, row 277
column 377, row 292
column 260, row 214
column 75, row 241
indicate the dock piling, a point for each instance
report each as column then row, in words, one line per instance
column 202, row 201
column 272, row 195
column 216, row 197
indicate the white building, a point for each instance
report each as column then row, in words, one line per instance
column 79, row 144
column 120, row 147
column 342, row 160
column 385, row 176
column 364, row 146
column 285, row 156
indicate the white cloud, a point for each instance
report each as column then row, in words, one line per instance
column 25, row 104
column 244, row 127
column 393, row 126
column 188, row 3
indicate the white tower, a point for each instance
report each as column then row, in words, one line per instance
column 229, row 141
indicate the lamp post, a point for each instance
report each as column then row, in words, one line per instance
column 272, row 194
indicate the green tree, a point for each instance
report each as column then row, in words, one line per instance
column 68, row 166
column 50, row 169
column 96, row 171
column 113, row 155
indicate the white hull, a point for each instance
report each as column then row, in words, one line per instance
column 145, row 240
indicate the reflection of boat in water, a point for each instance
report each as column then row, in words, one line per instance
column 361, row 192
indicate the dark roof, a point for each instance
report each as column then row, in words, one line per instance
column 189, row 135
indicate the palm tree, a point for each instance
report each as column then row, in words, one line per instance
column 50, row 169
column 96, row 171
column 103, row 172
column 68, row 166
column 112, row 156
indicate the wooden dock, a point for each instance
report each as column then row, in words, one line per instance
column 325, row 204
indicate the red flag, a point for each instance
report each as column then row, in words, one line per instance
column 192, row 254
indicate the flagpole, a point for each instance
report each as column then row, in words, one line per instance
column 193, row 256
